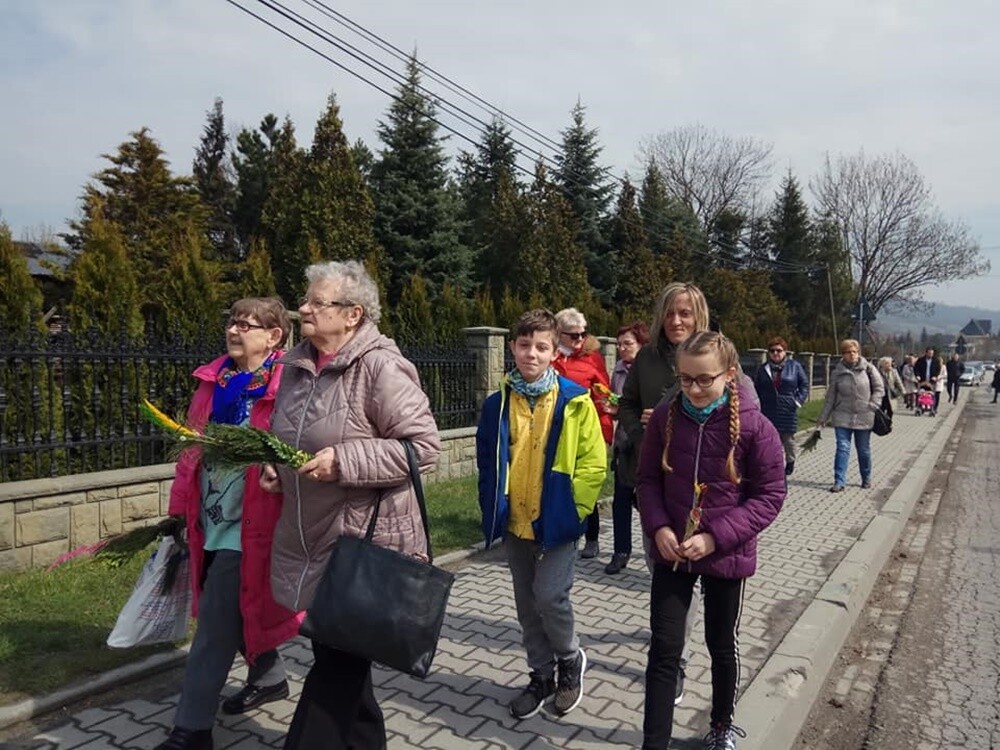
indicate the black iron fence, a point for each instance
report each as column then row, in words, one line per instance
column 69, row 404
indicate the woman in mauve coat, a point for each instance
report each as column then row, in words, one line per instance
column 349, row 397
column 230, row 526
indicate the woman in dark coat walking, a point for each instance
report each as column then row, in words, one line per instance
column 782, row 386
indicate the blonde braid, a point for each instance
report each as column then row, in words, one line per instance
column 668, row 433
column 734, row 430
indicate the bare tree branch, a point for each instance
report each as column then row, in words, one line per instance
column 710, row 171
column 898, row 239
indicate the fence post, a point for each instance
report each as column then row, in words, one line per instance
column 609, row 350
column 487, row 343
column 759, row 354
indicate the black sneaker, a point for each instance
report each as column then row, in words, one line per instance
column 618, row 561
column 789, row 468
column 569, row 692
column 723, row 737
column 679, row 690
column 252, row 696
column 539, row 692
column 187, row 739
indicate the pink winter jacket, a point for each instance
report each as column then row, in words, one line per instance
column 266, row 624
column 361, row 403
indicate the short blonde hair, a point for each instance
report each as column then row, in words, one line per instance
column 850, row 344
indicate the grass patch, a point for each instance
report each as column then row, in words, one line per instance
column 453, row 514
column 809, row 413
column 53, row 626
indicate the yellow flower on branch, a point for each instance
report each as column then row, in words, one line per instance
column 607, row 394
column 694, row 517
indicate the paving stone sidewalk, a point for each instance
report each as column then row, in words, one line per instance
column 480, row 663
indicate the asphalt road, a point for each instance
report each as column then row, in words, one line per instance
column 921, row 669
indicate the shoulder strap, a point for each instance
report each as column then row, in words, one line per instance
column 418, row 489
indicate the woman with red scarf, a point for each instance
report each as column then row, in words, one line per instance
column 579, row 358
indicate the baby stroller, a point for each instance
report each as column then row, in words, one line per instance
column 925, row 401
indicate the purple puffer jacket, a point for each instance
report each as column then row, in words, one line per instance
column 733, row 514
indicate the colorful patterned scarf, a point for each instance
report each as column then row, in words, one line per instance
column 533, row 390
column 236, row 390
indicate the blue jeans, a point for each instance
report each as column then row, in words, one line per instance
column 862, row 440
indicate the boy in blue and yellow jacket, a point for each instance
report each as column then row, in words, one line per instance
column 542, row 462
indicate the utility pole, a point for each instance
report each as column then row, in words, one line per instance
column 833, row 314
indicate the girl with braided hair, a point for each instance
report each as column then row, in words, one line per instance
column 711, row 477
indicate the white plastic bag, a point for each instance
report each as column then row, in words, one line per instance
column 150, row 615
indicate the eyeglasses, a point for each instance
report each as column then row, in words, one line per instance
column 702, row 381
column 575, row 336
column 776, row 350
column 242, row 326
column 318, row 304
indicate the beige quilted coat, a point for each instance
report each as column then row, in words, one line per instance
column 362, row 403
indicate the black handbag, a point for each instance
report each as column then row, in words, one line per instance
column 379, row 604
column 883, row 423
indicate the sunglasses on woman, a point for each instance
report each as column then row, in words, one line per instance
column 575, row 336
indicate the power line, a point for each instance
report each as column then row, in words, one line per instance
column 773, row 265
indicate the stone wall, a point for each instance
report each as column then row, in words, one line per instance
column 41, row 519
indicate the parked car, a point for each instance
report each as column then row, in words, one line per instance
column 973, row 374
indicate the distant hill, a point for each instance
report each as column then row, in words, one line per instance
column 947, row 319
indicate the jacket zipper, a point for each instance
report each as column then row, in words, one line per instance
column 697, row 465
column 496, row 489
column 298, row 499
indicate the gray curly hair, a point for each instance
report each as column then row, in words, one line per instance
column 355, row 284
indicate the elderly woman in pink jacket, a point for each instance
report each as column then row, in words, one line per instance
column 230, row 523
column 349, row 397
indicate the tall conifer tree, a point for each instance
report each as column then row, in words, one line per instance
column 106, row 295
column 214, row 180
column 20, row 297
column 585, row 184
column 416, row 216
column 640, row 279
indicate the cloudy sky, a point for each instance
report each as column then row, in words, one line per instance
column 917, row 76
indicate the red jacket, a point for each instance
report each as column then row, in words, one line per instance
column 266, row 624
column 587, row 369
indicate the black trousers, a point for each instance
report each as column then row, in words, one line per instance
column 953, row 391
column 593, row 526
column 337, row 709
column 670, row 599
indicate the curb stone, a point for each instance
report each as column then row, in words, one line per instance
column 32, row 707
column 775, row 706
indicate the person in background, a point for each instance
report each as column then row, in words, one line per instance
column 579, row 358
column 996, row 382
column 708, row 447
column 954, row 369
column 631, row 338
column 230, row 527
column 855, row 392
column 928, row 371
column 939, row 384
column 349, row 397
column 909, row 377
column 782, row 386
column 542, row 460
column 892, row 382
